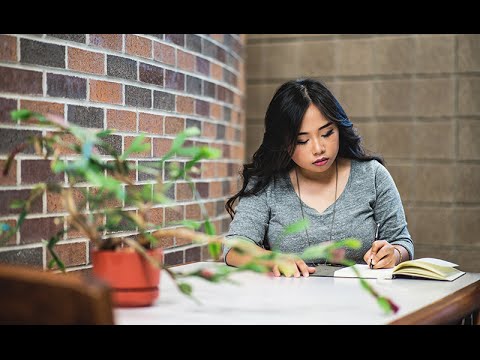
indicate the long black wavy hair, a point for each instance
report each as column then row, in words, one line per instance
column 282, row 123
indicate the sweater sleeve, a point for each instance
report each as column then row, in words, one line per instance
column 251, row 219
column 389, row 211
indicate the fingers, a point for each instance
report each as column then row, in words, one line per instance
column 303, row 268
column 384, row 256
column 275, row 270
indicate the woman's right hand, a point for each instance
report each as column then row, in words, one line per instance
column 295, row 267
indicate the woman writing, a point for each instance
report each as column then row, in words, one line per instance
column 311, row 165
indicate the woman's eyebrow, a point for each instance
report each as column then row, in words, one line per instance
column 320, row 128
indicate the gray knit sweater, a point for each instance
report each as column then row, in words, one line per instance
column 370, row 196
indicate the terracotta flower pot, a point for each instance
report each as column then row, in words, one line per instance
column 134, row 280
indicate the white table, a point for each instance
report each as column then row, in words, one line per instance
column 262, row 299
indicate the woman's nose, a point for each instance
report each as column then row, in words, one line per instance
column 318, row 147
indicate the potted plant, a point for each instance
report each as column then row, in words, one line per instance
column 103, row 201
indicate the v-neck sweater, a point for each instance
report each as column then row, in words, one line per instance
column 369, row 197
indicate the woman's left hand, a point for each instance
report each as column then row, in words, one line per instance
column 382, row 254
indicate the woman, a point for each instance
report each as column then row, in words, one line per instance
column 312, row 166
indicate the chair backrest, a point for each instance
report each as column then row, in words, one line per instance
column 33, row 296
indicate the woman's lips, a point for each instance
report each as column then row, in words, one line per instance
column 320, row 162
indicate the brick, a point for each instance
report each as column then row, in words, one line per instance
column 468, row 95
column 144, row 176
column 433, row 226
column 155, row 216
column 356, row 98
column 177, row 39
column 150, row 123
column 128, row 141
column 161, row 146
column 216, row 71
column 193, row 123
column 194, row 85
column 185, row 105
column 428, row 136
column 140, row 46
column 133, row 192
column 203, row 189
column 217, row 37
column 208, row 170
column 38, row 53
column 151, row 74
column 185, row 61
column 12, row 239
column 80, row 38
column 31, row 257
column 43, row 107
column 20, row 81
column 164, row 53
column 174, row 80
column 11, row 138
column 73, row 254
column 126, row 224
column 173, row 258
column 106, row 92
column 193, row 42
column 393, row 55
column 393, row 97
column 86, row 61
column 121, row 67
column 468, row 52
column 209, row 89
column 209, row 49
column 434, row 97
column 73, row 233
column 115, row 141
column 202, row 66
column 202, row 107
column 8, row 48
column 184, row 192
column 36, row 230
column 121, row 120
column 220, row 132
column 193, row 254
column 468, row 135
column 225, row 150
column 467, row 226
column 35, row 171
column 174, row 125
column 6, row 106
column 55, row 201
column 66, row 86
column 435, row 183
column 173, row 214
column 215, row 111
column 192, row 212
column 90, row 117
column 11, row 177
column 468, row 178
column 435, row 53
column 163, row 100
column 209, row 130
column 229, row 77
column 138, row 97
column 158, row 36
column 107, row 41
column 227, row 114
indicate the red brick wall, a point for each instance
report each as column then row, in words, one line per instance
column 157, row 84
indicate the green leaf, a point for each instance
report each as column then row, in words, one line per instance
column 255, row 267
column 350, row 243
column 137, row 146
column 209, row 228
column 21, row 114
column 185, row 288
column 104, row 133
column 191, row 224
column 383, row 303
column 17, row 204
column 298, row 226
column 215, row 249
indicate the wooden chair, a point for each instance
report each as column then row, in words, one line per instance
column 32, row 296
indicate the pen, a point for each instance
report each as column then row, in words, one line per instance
column 376, row 238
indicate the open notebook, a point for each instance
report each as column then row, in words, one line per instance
column 427, row 268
